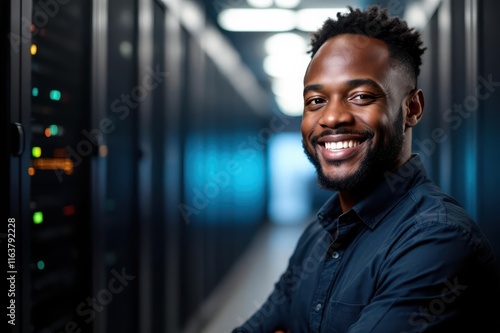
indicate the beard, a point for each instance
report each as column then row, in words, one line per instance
column 374, row 164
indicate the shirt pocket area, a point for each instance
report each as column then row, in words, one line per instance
column 341, row 316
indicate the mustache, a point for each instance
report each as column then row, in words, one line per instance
column 366, row 134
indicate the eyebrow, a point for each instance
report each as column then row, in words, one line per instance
column 312, row 87
column 364, row 82
column 351, row 84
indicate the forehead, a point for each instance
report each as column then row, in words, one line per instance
column 347, row 56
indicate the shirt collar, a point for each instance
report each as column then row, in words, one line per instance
column 384, row 197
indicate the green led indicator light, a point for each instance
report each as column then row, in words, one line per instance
column 53, row 129
column 55, row 95
column 34, row 91
column 37, row 217
column 40, row 264
column 36, row 152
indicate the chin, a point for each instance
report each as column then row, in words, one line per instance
column 352, row 178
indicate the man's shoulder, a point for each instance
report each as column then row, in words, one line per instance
column 431, row 203
column 437, row 215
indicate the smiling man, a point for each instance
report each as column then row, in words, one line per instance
column 358, row 108
column 389, row 251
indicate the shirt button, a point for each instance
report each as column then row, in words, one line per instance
column 318, row 307
column 335, row 255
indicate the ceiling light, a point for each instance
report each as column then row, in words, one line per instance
column 311, row 19
column 260, row 3
column 287, row 3
column 285, row 43
column 291, row 66
column 288, row 95
column 272, row 19
column 288, row 87
column 291, row 106
column 415, row 15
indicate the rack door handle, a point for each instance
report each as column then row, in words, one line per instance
column 16, row 139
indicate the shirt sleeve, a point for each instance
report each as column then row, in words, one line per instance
column 435, row 279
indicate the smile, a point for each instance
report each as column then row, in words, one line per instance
column 341, row 144
column 340, row 147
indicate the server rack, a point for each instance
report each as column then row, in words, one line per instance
column 49, row 170
column 95, row 179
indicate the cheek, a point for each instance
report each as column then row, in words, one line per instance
column 383, row 128
column 308, row 124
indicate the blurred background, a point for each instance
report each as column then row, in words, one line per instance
column 155, row 178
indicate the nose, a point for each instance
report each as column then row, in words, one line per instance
column 336, row 114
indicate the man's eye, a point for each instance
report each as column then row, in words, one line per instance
column 315, row 101
column 363, row 97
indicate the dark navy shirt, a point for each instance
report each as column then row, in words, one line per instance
column 407, row 258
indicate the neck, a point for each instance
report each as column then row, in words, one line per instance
column 347, row 201
column 350, row 198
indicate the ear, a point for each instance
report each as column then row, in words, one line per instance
column 414, row 107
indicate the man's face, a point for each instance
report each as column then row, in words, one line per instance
column 352, row 126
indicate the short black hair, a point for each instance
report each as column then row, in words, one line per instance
column 405, row 43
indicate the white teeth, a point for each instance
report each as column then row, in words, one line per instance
column 340, row 144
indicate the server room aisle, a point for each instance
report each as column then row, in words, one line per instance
column 253, row 277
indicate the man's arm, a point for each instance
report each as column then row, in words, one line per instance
column 437, row 279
